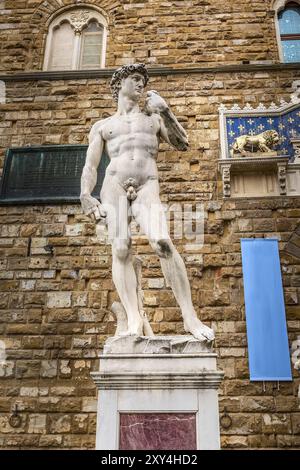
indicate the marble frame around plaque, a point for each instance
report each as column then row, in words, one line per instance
column 114, row 402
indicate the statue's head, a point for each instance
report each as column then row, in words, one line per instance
column 130, row 79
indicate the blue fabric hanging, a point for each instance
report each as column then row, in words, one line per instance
column 269, row 357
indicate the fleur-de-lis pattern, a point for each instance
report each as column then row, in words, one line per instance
column 287, row 125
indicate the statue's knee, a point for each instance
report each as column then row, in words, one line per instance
column 121, row 249
column 162, row 247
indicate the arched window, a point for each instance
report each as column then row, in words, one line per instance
column 289, row 29
column 76, row 41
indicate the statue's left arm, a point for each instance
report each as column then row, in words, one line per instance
column 170, row 129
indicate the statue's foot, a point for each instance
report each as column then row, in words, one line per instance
column 198, row 329
column 134, row 328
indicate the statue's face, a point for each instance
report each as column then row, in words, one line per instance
column 133, row 86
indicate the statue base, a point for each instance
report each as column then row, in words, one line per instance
column 157, row 393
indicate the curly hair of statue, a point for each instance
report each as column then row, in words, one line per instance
column 124, row 72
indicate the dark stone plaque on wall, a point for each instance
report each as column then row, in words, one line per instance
column 47, row 174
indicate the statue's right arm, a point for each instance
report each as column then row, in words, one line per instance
column 91, row 205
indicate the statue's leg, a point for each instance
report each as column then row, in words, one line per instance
column 149, row 214
column 115, row 203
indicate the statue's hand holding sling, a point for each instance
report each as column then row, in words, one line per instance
column 92, row 207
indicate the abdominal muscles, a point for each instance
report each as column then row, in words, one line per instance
column 132, row 161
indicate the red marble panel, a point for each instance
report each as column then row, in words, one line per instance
column 157, row 431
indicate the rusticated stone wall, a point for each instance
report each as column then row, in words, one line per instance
column 172, row 33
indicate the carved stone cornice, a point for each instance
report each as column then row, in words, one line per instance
column 153, row 71
column 152, row 381
column 243, row 165
column 261, row 108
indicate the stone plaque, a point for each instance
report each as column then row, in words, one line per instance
column 157, row 431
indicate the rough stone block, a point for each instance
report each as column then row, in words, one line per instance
column 80, row 423
column 74, row 230
column 59, row 299
column 37, row 424
column 49, row 368
column 60, row 424
column 50, row 441
column 89, row 405
column 276, row 423
column 29, row 392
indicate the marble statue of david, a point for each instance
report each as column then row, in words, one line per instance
column 131, row 139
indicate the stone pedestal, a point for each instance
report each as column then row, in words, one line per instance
column 158, row 393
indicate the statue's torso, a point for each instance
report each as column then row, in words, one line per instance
column 131, row 142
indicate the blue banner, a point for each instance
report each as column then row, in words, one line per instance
column 269, row 357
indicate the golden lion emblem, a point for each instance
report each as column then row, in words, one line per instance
column 263, row 142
